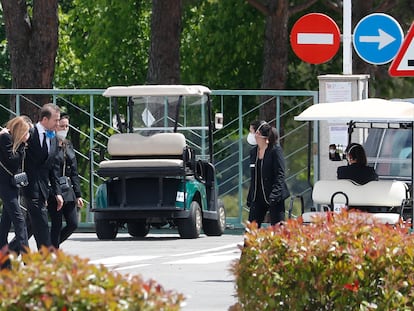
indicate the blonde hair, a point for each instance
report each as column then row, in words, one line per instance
column 18, row 127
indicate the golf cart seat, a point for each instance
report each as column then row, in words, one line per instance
column 135, row 155
column 385, row 198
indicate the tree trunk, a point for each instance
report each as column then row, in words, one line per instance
column 33, row 43
column 276, row 46
column 164, row 57
column 275, row 53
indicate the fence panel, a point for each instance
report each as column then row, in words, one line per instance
column 92, row 124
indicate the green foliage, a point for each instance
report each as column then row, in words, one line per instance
column 103, row 43
column 56, row 281
column 5, row 75
column 222, row 43
column 231, row 203
column 344, row 264
column 106, row 42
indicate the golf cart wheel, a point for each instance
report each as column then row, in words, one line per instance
column 106, row 229
column 190, row 227
column 138, row 228
column 216, row 227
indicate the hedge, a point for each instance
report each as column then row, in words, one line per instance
column 53, row 280
column 347, row 263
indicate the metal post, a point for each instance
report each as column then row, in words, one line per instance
column 412, row 177
column 91, row 158
column 347, row 37
column 278, row 114
column 240, row 158
column 17, row 105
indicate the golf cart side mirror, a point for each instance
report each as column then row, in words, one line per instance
column 218, row 121
column 335, row 152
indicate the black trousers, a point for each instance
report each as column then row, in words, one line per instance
column 14, row 244
column 70, row 213
column 12, row 214
column 39, row 220
column 259, row 209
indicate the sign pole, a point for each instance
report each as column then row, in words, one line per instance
column 347, row 38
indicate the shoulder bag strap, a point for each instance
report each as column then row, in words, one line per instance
column 5, row 168
column 64, row 159
column 10, row 173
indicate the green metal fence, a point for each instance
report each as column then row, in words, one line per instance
column 91, row 125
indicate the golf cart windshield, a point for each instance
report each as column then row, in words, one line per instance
column 162, row 108
column 151, row 109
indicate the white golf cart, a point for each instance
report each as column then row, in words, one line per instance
column 389, row 130
column 160, row 170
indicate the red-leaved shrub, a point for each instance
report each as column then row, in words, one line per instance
column 347, row 263
column 53, row 280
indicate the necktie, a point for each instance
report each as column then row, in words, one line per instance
column 45, row 151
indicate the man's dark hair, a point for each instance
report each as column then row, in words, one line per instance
column 47, row 109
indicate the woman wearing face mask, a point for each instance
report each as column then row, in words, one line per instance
column 268, row 190
column 70, row 186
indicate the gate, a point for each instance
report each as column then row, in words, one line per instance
column 92, row 124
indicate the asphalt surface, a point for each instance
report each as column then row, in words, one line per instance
column 198, row 268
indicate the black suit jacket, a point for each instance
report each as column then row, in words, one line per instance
column 361, row 174
column 41, row 172
column 273, row 176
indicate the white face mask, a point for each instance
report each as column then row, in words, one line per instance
column 251, row 139
column 62, row 134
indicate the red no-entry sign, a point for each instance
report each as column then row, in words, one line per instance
column 315, row 38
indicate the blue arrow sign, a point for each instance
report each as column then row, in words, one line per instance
column 377, row 38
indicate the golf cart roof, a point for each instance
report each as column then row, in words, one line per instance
column 156, row 90
column 366, row 110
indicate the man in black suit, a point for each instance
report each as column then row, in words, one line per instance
column 42, row 172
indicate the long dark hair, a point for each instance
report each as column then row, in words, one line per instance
column 357, row 153
column 266, row 130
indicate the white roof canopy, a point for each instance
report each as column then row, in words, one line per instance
column 156, row 90
column 366, row 110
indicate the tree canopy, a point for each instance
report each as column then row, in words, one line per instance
column 222, row 45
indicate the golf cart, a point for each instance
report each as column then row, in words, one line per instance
column 386, row 131
column 160, row 169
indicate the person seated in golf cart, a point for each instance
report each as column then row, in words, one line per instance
column 357, row 169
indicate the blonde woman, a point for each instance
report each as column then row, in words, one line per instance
column 12, row 151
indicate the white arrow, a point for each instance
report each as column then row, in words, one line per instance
column 383, row 39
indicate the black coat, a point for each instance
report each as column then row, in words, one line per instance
column 361, row 174
column 12, row 162
column 40, row 171
column 66, row 157
column 273, row 176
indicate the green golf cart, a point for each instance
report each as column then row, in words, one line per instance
column 159, row 171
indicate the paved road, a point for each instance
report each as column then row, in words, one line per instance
column 198, row 268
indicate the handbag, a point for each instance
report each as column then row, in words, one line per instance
column 18, row 180
column 64, row 181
